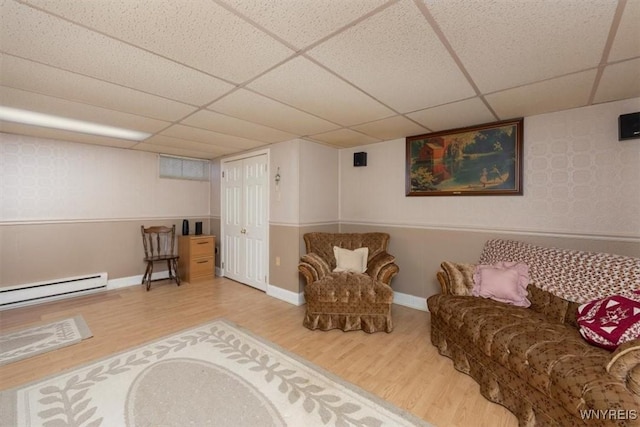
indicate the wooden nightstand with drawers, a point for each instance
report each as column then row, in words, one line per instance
column 197, row 259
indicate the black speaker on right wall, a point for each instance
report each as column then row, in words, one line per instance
column 360, row 159
column 628, row 126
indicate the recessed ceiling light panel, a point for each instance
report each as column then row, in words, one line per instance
column 46, row 120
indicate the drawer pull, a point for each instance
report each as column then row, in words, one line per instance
column 202, row 262
column 203, row 243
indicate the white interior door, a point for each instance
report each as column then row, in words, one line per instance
column 232, row 219
column 245, row 216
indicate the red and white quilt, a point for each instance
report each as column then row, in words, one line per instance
column 610, row 321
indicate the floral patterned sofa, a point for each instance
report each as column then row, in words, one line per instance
column 534, row 360
column 348, row 300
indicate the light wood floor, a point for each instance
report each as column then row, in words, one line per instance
column 401, row 367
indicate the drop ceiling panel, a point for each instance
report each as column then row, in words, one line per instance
column 337, row 70
column 450, row 116
column 391, row 128
column 63, row 135
column 212, row 138
column 344, row 138
column 504, row 44
column 207, row 150
column 162, row 149
column 627, row 42
column 203, row 35
column 31, row 34
column 259, row 109
column 562, row 93
column 302, row 23
column 16, row 98
column 397, row 58
column 305, row 85
column 31, row 76
column 619, row 81
column 232, row 126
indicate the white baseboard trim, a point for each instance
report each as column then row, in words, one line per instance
column 297, row 299
column 285, row 295
column 410, row 301
column 399, row 298
column 123, row 282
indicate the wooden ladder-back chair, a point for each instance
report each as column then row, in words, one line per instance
column 159, row 244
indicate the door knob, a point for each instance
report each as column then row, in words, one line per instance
column 243, row 231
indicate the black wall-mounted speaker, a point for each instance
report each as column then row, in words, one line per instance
column 360, row 159
column 629, row 126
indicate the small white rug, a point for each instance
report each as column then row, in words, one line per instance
column 217, row 374
column 35, row 340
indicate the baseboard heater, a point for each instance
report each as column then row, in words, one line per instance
column 40, row 292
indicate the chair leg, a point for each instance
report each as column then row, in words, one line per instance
column 174, row 265
column 146, row 272
column 149, row 276
column 175, row 270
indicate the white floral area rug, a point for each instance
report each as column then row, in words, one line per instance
column 216, row 374
column 35, row 340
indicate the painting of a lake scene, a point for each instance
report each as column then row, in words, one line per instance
column 478, row 160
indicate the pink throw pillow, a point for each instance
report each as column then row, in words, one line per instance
column 504, row 281
column 611, row 321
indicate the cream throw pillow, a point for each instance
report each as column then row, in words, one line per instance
column 355, row 261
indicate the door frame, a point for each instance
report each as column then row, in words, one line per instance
column 243, row 156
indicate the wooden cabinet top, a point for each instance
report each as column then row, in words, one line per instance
column 199, row 236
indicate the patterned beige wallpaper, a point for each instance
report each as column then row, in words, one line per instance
column 45, row 180
column 78, row 208
column 578, row 180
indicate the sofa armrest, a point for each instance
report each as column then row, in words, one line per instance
column 382, row 267
column 456, row 278
column 313, row 267
column 624, row 365
column 387, row 273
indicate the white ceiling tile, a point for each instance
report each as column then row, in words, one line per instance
column 259, row 109
column 31, row 34
column 344, row 138
column 504, row 44
column 163, row 149
column 305, row 85
column 31, row 76
column 232, row 126
column 63, row 135
column 451, row 116
column 16, row 98
column 302, row 23
column 209, row 137
column 552, row 95
column 150, row 65
column 627, row 41
column 397, row 58
column 185, row 144
column 391, row 128
column 203, row 35
column 619, row 81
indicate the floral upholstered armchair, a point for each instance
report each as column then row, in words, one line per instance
column 348, row 278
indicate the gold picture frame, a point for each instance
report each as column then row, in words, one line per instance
column 477, row 160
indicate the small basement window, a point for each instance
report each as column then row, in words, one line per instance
column 184, row 168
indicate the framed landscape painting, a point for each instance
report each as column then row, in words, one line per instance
column 478, row 160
